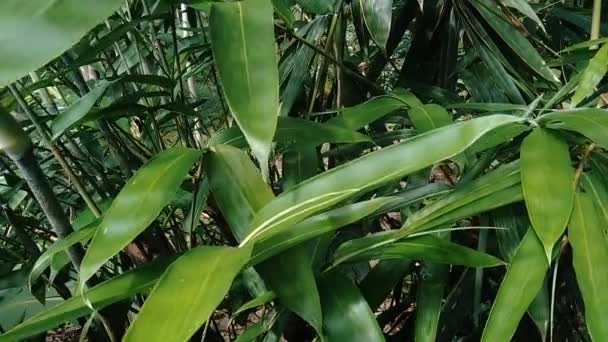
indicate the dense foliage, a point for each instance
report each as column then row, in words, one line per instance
column 358, row 170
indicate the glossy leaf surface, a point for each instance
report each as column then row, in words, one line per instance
column 370, row 171
column 202, row 277
column 137, row 205
column 242, row 39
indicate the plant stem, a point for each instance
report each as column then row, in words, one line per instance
column 596, row 19
column 46, row 139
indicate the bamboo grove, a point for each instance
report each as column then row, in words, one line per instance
column 303, row 170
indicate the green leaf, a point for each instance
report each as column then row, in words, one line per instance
column 137, row 205
column 262, row 299
column 515, row 219
column 590, row 257
column 237, row 186
column 594, row 186
column 524, row 8
column 469, row 199
column 524, row 278
column 240, row 192
column 78, row 110
column 315, row 226
column 487, row 107
column 294, row 131
column 433, row 280
column 60, row 246
column 548, row 199
column 592, row 123
column 291, row 277
column 381, row 280
column 38, row 31
column 377, row 15
column 592, row 75
column 202, row 277
column 428, row 248
column 585, row 45
column 428, row 117
column 514, row 38
column 371, row 171
column 346, row 315
column 496, row 189
column 283, row 10
column 358, row 116
column 100, row 296
column 318, row 6
column 242, row 39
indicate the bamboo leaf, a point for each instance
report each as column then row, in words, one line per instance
column 370, row 171
column 496, row 189
column 60, row 246
column 524, row 278
column 592, row 75
column 315, row 226
column 202, row 277
column 381, row 280
column 590, row 255
column 78, row 110
column 548, row 199
column 346, row 315
column 428, row 117
column 524, row 8
column 377, row 15
column 100, row 296
column 294, row 131
column 318, row 6
column 38, row 31
column 242, row 39
column 137, row 205
column 592, row 123
column 514, row 39
column 428, row 248
column 240, row 192
column 429, row 299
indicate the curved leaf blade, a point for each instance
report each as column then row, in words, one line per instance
column 589, row 258
column 315, row 226
column 592, row 123
column 547, row 180
column 60, row 246
column 428, row 248
column 100, row 296
column 592, row 75
column 240, row 192
column 79, row 109
column 346, row 315
column 137, row 205
column 370, row 171
column 377, row 15
column 202, row 277
column 294, row 130
column 242, row 40
column 428, row 117
column 524, row 278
